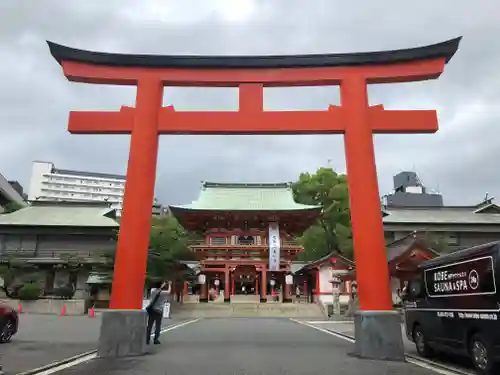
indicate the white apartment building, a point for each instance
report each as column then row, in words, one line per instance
column 49, row 183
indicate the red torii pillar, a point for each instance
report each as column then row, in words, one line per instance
column 354, row 118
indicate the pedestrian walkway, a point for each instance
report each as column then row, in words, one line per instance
column 242, row 346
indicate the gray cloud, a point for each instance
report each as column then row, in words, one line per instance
column 35, row 98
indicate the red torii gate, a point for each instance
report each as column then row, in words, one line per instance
column 354, row 118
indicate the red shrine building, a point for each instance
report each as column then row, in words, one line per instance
column 248, row 251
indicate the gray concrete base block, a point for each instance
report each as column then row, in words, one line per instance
column 123, row 334
column 378, row 335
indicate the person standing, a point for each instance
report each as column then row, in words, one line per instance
column 155, row 310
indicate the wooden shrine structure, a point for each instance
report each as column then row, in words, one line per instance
column 236, row 255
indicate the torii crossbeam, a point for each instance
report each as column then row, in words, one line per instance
column 354, row 118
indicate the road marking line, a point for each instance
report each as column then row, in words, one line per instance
column 85, row 357
column 307, row 324
column 440, row 369
column 330, row 322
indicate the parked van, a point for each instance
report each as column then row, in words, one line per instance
column 453, row 305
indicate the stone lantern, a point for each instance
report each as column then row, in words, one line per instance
column 335, row 281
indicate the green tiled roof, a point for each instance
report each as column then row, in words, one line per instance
column 439, row 215
column 98, row 278
column 246, row 197
column 60, row 215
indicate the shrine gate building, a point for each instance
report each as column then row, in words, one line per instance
column 248, row 246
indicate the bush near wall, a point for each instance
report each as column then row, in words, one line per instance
column 29, row 292
column 64, row 292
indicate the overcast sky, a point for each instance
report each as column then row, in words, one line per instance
column 460, row 160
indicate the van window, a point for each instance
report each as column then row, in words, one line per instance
column 415, row 287
column 487, row 282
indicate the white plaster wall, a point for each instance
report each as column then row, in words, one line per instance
column 37, row 171
column 325, row 275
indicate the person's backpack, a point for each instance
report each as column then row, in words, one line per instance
column 152, row 304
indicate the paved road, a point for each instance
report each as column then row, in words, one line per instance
column 347, row 328
column 241, row 346
column 44, row 339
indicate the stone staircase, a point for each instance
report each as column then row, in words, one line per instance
column 246, row 310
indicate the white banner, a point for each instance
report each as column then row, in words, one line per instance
column 166, row 310
column 274, row 247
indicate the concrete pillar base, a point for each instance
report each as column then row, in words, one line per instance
column 378, row 335
column 123, row 334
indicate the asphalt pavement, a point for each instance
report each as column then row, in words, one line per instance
column 242, row 346
column 45, row 339
column 347, row 328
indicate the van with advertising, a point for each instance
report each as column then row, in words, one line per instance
column 452, row 305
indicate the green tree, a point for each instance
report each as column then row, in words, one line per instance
column 16, row 272
column 169, row 239
column 437, row 242
column 168, row 244
column 332, row 231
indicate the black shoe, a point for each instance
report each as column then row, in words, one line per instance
column 157, row 342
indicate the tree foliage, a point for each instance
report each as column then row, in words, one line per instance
column 440, row 243
column 168, row 245
column 332, row 231
column 15, row 273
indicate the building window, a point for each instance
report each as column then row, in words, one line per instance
column 218, row 240
column 453, row 239
column 246, row 240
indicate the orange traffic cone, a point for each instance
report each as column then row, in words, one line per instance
column 20, row 308
column 92, row 312
column 63, row 310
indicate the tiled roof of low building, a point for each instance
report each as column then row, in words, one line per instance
column 62, row 215
column 440, row 215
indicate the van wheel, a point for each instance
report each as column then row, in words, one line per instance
column 421, row 344
column 480, row 353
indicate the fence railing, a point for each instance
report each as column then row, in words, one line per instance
column 242, row 243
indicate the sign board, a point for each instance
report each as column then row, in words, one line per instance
column 202, row 279
column 466, row 278
column 274, row 247
column 289, row 279
column 166, row 310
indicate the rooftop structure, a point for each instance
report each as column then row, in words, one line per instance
column 410, row 192
column 62, row 214
column 241, row 203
